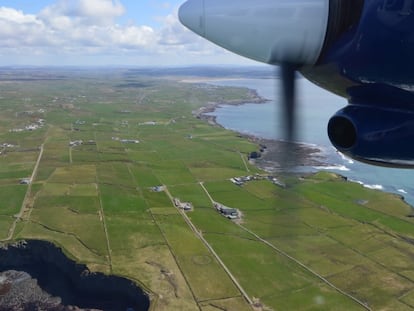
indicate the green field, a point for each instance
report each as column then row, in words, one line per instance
column 320, row 243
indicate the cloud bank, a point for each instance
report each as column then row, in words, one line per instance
column 88, row 31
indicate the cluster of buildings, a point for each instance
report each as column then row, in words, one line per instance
column 75, row 143
column 148, row 123
column 30, row 112
column 80, row 122
column 31, row 127
column 126, row 141
column 5, row 146
column 240, row 181
column 186, row 206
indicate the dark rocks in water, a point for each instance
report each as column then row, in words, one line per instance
column 282, row 155
column 58, row 283
column 254, row 155
column 18, row 290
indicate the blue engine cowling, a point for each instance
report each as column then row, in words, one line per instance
column 375, row 135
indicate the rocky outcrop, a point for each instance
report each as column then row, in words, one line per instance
column 37, row 273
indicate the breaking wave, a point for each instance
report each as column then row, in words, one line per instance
column 345, row 158
column 341, row 168
column 373, row 187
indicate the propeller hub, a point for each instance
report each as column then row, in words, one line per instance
column 270, row 31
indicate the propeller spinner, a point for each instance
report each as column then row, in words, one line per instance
column 269, row 31
column 288, row 33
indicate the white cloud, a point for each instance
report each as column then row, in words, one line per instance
column 72, row 29
column 89, row 12
column 79, row 23
column 173, row 33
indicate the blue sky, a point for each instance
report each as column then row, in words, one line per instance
column 139, row 11
column 101, row 32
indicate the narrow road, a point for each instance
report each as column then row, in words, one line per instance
column 199, row 235
column 244, row 162
column 205, row 190
column 25, row 204
column 102, row 218
column 70, row 155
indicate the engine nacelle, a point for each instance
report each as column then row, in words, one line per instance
column 375, row 135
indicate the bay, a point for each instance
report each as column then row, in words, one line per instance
column 315, row 107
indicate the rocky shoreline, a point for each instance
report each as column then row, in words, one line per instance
column 281, row 156
column 202, row 113
column 274, row 155
column 38, row 276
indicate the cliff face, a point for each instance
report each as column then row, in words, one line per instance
column 66, row 282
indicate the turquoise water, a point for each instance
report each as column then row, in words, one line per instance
column 315, row 107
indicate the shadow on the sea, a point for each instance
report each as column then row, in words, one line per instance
column 72, row 282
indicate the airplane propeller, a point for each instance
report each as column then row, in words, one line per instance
column 286, row 33
column 288, row 100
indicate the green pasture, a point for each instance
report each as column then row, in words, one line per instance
column 74, row 174
column 84, row 156
column 207, row 279
column 73, row 247
column 193, row 193
column 129, row 235
column 208, row 220
column 11, row 199
column 172, row 172
column 77, row 204
column 119, row 200
column 340, row 203
column 116, row 173
column 267, row 275
column 85, row 227
column 5, row 223
column 23, row 157
column 156, row 199
column 144, row 176
column 96, row 201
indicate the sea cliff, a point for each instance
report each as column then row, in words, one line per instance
column 58, row 283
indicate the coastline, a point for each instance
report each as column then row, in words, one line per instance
column 202, row 112
column 275, row 155
column 303, row 158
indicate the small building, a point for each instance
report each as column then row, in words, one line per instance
column 183, row 205
column 158, row 189
column 148, row 123
column 25, row 181
column 230, row 213
column 31, row 127
column 130, row 141
column 75, row 143
column 186, row 206
column 236, row 181
column 90, row 142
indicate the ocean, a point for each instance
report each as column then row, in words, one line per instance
column 315, row 107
